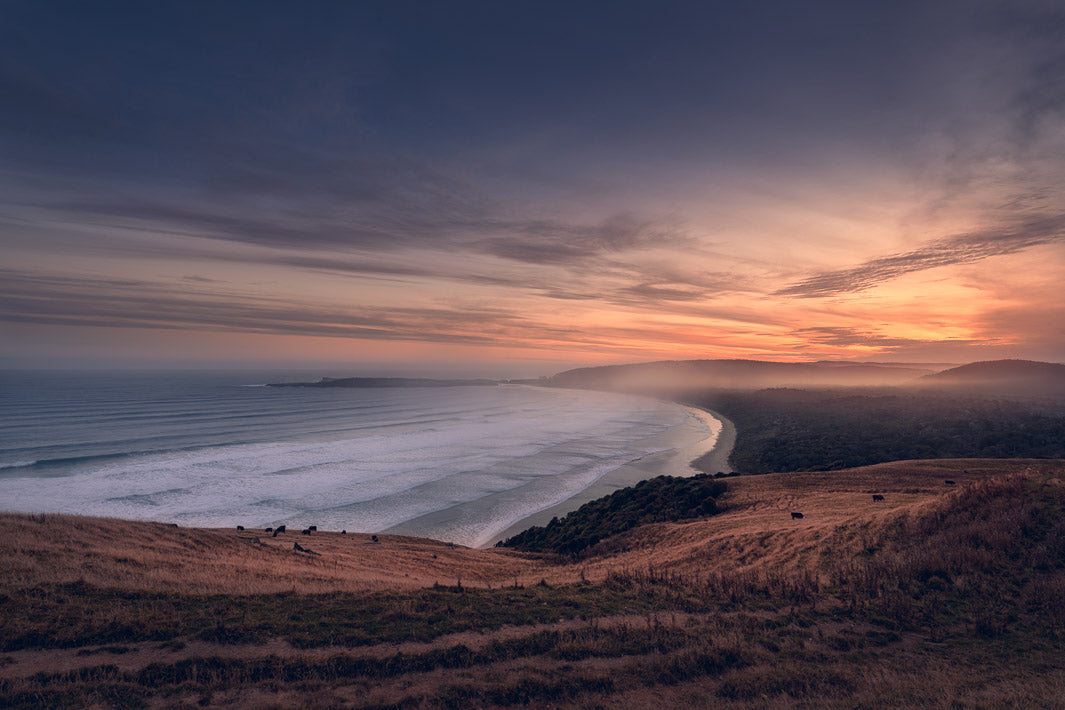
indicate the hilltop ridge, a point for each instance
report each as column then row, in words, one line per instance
column 737, row 374
column 1026, row 377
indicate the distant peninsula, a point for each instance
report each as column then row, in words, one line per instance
column 378, row 382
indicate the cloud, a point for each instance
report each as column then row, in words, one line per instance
column 447, row 217
column 64, row 300
column 963, row 249
column 843, row 336
column 546, row 242
column 41, row 298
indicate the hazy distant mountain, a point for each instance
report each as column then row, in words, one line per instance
column 1004, row 377
column 739, row 374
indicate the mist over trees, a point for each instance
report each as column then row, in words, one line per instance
column 817, row 430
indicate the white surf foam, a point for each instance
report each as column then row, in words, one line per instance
column 464, row 475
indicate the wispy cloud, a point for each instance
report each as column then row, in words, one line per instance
column 846, row 337
column 963, row 249
column 68, row 300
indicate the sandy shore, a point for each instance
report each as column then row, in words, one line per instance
column 711, row 452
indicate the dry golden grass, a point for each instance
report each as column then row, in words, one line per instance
column 37, row 549
column 749, row 608
column 756, row 531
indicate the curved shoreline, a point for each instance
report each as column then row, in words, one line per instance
column 716, row 460
column 712, row 461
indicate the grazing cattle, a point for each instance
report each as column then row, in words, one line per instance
column 312, row 528
column 240, row 527
column 373, row 538
column 877, row 496
column 305, row 532
column 949, row 482
column 796, row 516
column 279, row 529
column 343, row 532
column 268, row 530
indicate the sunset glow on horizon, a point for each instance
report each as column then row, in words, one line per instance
column 514, row 189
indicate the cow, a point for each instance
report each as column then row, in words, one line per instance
column 279, row 529
column 240, row 527
column 312, row 528
column 268, row 530
column 373, row 538
column 949, row 482
column 343, row 532
column 877, row 496
column 796, row 516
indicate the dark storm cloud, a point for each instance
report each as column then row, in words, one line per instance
column 964, row 249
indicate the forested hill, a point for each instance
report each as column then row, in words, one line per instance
column 1020, row 377
column 813, row 430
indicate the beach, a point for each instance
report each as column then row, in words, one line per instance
column 711, row 451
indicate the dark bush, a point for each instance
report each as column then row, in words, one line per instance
column 661, row 499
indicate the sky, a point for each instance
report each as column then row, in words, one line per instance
column 513, row 188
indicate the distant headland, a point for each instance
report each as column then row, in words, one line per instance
column 377, row 382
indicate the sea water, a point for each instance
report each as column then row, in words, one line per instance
column 460, row 464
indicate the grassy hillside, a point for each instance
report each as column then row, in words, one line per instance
column 938, row 596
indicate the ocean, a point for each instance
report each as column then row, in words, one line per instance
column 460, row 464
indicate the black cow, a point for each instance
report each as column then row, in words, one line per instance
column 877, row 496
column 796, row 516
column 240, row 527
column 949, row 482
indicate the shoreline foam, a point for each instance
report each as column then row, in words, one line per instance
column 677, row 462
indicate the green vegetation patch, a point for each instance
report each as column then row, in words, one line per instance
column 660, row 499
